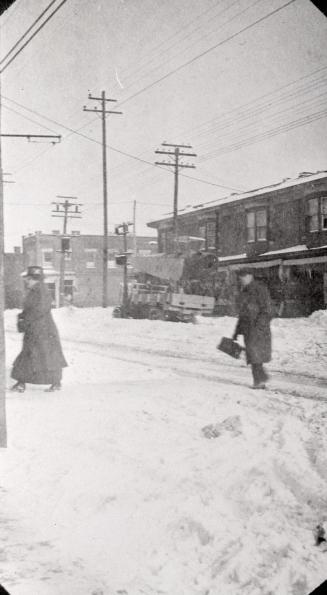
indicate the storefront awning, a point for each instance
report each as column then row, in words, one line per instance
column 303, row 261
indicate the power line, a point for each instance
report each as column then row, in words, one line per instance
column 109, row 146
column 268, row 134
column 27, row 118
column 201, row 159
column 223, row 123
column 186, row 37
column 276, row 118
column 205, row 52
column 32, row 36
column 162, row 43
column 237, row 130
column 27, row 31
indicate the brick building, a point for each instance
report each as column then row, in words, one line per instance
column 280, row 230
column 83, row 264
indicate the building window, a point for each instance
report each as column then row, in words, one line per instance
column 313, row 214
column 202, row 231
column 90, row 254
column 323, row 201
column 211, row 234
column 47, row 257
column 257, row 225
column 112, row 259
column 317, row 213
column 68, row 287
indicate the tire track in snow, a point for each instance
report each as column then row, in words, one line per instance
column 217, row 371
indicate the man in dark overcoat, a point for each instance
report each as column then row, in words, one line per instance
column 254, row 324
column 41, row 359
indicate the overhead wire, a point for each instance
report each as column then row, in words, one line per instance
column 181, row 66
column 146, row 161
column 155, row 49
column 27, row 118
column 186, row 36
column 27, row 31
column 176, row 55
column 257, row 110
column 204, row 53
column 115, row 149
column 32, row 37
column 268, row 118
column 268, row 134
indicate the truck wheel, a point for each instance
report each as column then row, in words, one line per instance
column 156, row 314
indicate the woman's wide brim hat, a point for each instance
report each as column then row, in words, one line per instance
column 34, row 272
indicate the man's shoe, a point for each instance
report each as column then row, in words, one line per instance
column 52, row 388
column 258, row 385
column 19, row 387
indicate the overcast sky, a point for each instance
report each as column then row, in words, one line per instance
column 253, row 107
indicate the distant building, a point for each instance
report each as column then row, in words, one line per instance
column 280, row 230
column 83, row 264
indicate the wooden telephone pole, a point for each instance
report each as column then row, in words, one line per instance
column 177, row 165
column 103, row 113
column 63, row 211
column 3, row 426
column 123, row 230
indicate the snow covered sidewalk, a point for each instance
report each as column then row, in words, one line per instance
column 112, row 487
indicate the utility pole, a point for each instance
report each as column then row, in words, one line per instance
column 103, row 113
column 134, row 228
column 63, row 211
column 3, row 426
column 177, row 153
column 122, row 259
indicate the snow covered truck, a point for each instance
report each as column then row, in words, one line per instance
column 161, row 296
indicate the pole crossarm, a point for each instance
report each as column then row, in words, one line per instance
column 98, row 111
column 164, row 144
column 101, row 98
column 173, row 164
column 173, row 153
column 28, row 136
column 69, row 216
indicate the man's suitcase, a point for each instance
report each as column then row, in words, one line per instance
column 230, row 347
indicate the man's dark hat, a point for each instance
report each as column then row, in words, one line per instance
column 245, row 271
column 34, row 272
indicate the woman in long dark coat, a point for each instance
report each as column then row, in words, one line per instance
column 41, row 359
column 254, row 324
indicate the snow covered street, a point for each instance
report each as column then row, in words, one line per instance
column 111, row 487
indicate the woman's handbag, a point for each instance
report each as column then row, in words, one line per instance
column 231, row 347
column 20, row 323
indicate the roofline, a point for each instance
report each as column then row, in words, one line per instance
column 238, row 197
column 84, row 235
